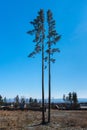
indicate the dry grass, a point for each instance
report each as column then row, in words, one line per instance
column 30, row 120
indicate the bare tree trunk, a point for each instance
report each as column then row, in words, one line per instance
column 49, row 82
column 43, row 116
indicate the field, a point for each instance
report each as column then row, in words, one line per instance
column 31, row 120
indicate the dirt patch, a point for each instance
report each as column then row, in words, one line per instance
column 31, row 120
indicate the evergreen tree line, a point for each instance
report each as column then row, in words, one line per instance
column 17, row 100
column 71, row 97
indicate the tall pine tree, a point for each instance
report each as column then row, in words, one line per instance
column 53, row 38
column 39, row 33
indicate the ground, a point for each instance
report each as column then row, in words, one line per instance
column 31, row 120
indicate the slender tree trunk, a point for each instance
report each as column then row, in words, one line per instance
column 43, row 116
column 49, row 82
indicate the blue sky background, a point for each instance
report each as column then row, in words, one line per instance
column 21, row 75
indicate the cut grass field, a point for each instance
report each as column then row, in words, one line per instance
column 27, row 120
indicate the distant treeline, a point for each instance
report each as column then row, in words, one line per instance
column 71, row 97
column 70, row 102
column 17, row 100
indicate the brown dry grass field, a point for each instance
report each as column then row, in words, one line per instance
column 31, row 120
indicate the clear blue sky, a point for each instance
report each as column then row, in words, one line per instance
column 21, row 75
